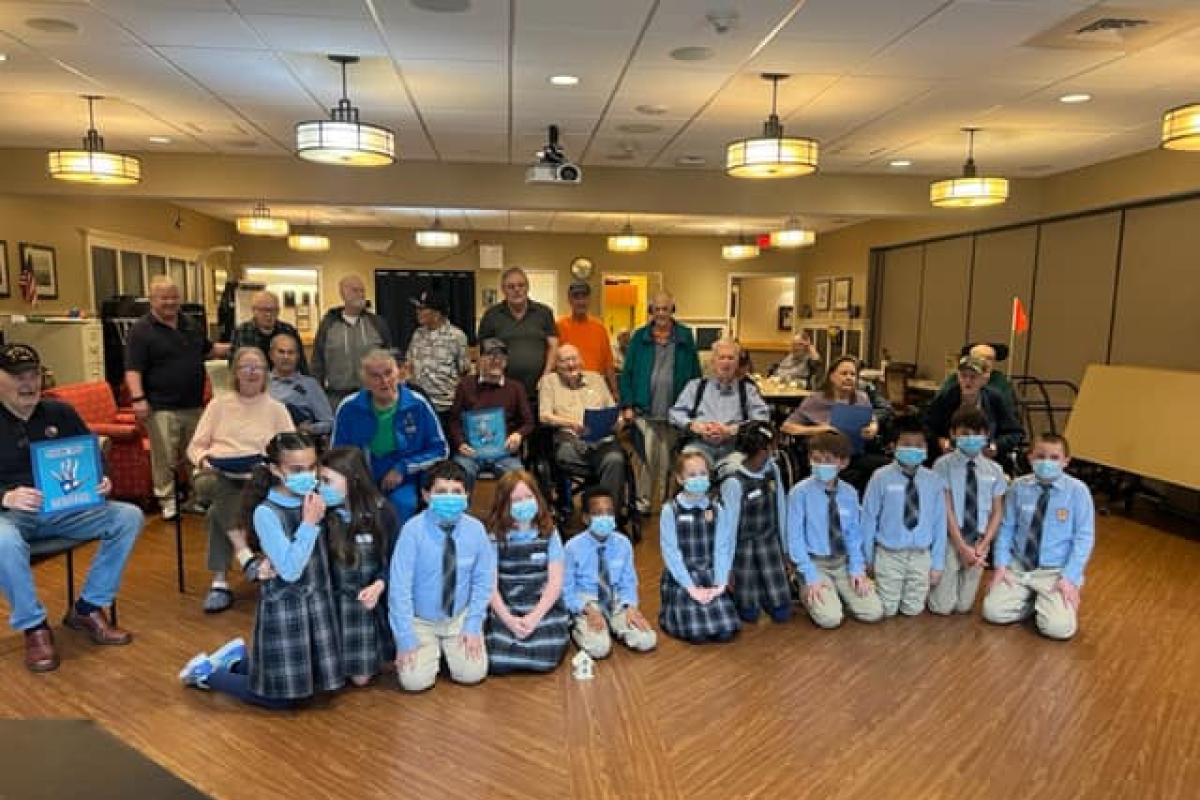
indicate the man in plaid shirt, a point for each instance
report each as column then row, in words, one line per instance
column 437, row 353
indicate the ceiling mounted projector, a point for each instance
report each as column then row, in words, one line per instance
column 552, row 165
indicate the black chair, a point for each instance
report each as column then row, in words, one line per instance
column 46, row 549
column 559, row 486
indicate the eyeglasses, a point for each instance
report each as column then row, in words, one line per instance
column 251, row 368
column 266, row 310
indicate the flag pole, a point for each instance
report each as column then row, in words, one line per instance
column 1012, row 335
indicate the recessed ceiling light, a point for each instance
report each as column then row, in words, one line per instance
column 900, row 162
column 443, row 6
column 693, row 53
column 51, row 25
column 639, row 127
column 1075, row 97
column 564, row 80
column 651, row 109
column 159, row 139
column 3, row 56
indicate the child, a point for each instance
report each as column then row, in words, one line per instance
column 904, row 524
column 441, row 579
column 975, row 505
column 361, row 528
column 825, row 538
column 600, row 586
column 1045, row 540
column 697, row 549
column 295, row 652
column 755, row 503
column 528, row 629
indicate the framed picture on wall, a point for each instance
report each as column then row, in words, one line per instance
column 4, row 290
column 40, row 258
column 822, row 300
column 785, row 318
column 841, row 294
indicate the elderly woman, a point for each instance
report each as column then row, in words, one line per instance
column 232, row 433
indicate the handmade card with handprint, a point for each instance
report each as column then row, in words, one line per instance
column 68, row 473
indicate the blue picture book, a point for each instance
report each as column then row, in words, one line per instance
column 599, row 422
column 235, row 465
column 850, row 420
column 485, row 433
column 68, row 473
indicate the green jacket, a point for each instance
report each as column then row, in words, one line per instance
column 639, row 362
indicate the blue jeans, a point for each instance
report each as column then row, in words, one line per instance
column 473, row 466
column 116, row 525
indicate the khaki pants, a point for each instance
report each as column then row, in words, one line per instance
column 1031, row 593
column 955, row 592
column 437, row 639
column 826, row 612
column 170, row 432
column 902, row 579
column 659, row 437
column 598, row 644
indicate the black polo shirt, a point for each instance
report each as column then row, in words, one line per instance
column 248, row 335
column 51, row 419
column 171, row 361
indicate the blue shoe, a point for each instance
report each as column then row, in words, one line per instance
column 748, row 615
column 195, row 672
column 228, row 654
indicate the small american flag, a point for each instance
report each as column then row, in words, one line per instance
column 28, row 281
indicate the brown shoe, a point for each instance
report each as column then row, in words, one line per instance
column 40, row 653
column 97, row 626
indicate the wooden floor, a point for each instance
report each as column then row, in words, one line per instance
column 912, row 708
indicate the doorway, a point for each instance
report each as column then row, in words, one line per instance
column 625, row 297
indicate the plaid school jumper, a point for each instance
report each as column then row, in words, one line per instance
column 521, row 577
column 295, row 640
column 366, row 635
column 759, row 577
column 680, row 615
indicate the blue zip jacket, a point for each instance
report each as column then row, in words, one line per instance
column 419, row 440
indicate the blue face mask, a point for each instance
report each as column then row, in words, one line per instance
column 696, row 484
column 825, row 472
column 910, row 456
column 330, row 495
column 300, row 482
column 1047, row 470
column 971, row 445
column 524, row 510
column 447, row 507
column 603, row 525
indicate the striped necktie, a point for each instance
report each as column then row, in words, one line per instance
column 1033, row 540
column 969, row 527
column 449, row 571
column 912, row 503
column 837, row 541
column 603, row 581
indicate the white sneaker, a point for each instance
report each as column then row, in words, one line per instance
column 169, row 509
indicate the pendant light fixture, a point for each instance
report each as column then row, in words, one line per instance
column 771, row 155
column 261, row 223
column 435, row 236
column 1181, row 128
column 627, row 241
column 342, row 139
column 93, row 164
column 792, row 235
column 308, row 240
column 969, row 191
column 741, row 251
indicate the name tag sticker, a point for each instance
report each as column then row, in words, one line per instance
column 364, row 538
column 896, row 487
column 537, row 558
column 754, row 494
column 685, row 517
column 1062, row 514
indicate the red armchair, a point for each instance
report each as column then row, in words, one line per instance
column 129, row 449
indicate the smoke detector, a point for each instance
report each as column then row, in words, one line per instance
column 375, row 245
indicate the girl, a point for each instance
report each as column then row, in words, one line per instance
column 697, row 550
column 295, row 633
column 528, row 627
column 361, row 528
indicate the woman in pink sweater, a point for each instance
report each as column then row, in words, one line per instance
column 232, row 433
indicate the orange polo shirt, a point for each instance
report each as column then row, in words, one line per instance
column 591, row 337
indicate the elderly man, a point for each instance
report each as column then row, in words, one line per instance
column 802, row 363
column 588, row 334
column 563, row 398
column 971, row 389
column 25, row 418
column 396, row 429
column 490, row 389
column 437, row 353
column 300, row 394
column 710, row 410
column 660, row 360
column 346, row 334
column 990, row 354
column 164, row 369
column 526, row 327
column 259, row 331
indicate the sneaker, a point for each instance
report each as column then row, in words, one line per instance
column 195, row 672
column 228, row 654
column 169, row 510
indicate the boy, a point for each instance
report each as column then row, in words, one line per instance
column 441, row 579
column 975, row 504
column 904, row 524
column 753, row 496
column 1045, row 540
column 600, row 583
column 825, row 539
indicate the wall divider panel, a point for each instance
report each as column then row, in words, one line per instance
column 900, row 302
column 1004, row 264
column 944, row 304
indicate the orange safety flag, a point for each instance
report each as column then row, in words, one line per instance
column 1020, row 321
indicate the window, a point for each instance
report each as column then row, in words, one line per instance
column 124, row 266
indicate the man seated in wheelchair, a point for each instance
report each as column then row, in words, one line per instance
column 710, row 410
column 581, row 410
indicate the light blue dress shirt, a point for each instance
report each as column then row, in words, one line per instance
column 668, row 539
column 883, row 514
column 288, row 556
column 1068, row 532
column 952, row 467
column 581, row 577
column 808, row 527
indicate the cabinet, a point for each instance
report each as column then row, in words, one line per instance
column 73, row 349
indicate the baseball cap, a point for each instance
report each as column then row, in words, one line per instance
column 973, row 363
column 579, row 287
column 17, row 358
column 430, row 299
column 492, row 345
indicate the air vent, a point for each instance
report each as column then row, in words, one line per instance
column 1113, row 24
column 1116, row 29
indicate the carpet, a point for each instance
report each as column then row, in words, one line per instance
column 65, row 759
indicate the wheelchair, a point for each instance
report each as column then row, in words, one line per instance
column 560, row 485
